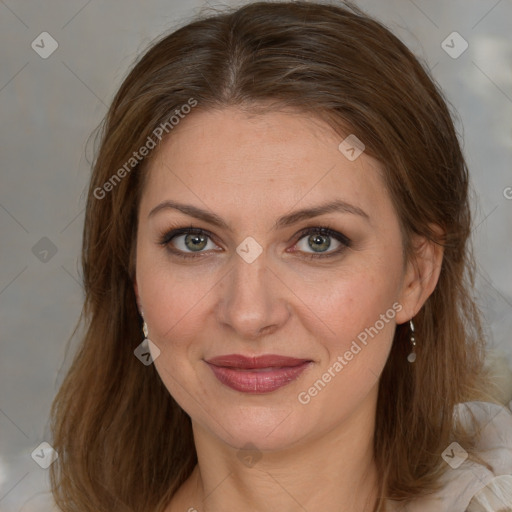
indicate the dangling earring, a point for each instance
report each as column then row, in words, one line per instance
column 147, row 351
column 144, row 325
column 412, row 356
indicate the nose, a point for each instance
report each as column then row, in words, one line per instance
column 252, row 300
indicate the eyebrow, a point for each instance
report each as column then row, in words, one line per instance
column 284, row 221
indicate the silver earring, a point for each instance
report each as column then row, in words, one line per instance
column 144, row 324
column 412, row 356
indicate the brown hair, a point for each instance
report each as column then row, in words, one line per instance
column 123, row 442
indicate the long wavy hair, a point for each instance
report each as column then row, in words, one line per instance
column 124, row 444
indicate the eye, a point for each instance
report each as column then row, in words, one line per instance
column 319, row 240
column 187, row 241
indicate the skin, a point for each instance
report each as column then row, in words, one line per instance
column 250, row 170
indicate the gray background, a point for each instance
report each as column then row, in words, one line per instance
column 49, row 107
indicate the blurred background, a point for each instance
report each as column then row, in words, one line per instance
column 61, row 62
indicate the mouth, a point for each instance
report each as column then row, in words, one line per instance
column 261, row 374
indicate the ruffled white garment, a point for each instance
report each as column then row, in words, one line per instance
column 470, row 486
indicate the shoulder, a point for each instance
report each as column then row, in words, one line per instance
column 495, row 447
column 496, row 496
column 468, row 485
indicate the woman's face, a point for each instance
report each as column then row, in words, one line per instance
column 249, row 286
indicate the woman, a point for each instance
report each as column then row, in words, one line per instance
column 278, row 278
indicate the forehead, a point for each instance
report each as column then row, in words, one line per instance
column 232, row 159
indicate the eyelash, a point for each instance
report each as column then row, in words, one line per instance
column 168, row 236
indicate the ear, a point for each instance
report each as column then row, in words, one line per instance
column 421, row 276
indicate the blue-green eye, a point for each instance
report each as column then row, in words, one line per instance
column 187, row 241
column 319, row 241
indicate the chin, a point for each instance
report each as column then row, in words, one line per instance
column 266, row 427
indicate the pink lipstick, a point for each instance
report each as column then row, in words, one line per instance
column 261, row 374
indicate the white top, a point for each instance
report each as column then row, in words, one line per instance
column 470, row 486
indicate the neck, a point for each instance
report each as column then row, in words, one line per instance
column 333, row 472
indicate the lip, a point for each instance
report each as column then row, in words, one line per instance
column 259, row 374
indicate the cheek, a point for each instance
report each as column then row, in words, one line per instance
column 174, row 311
column 356, row 338
column 348, row 304
column 173, row 298
column 355, row 323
